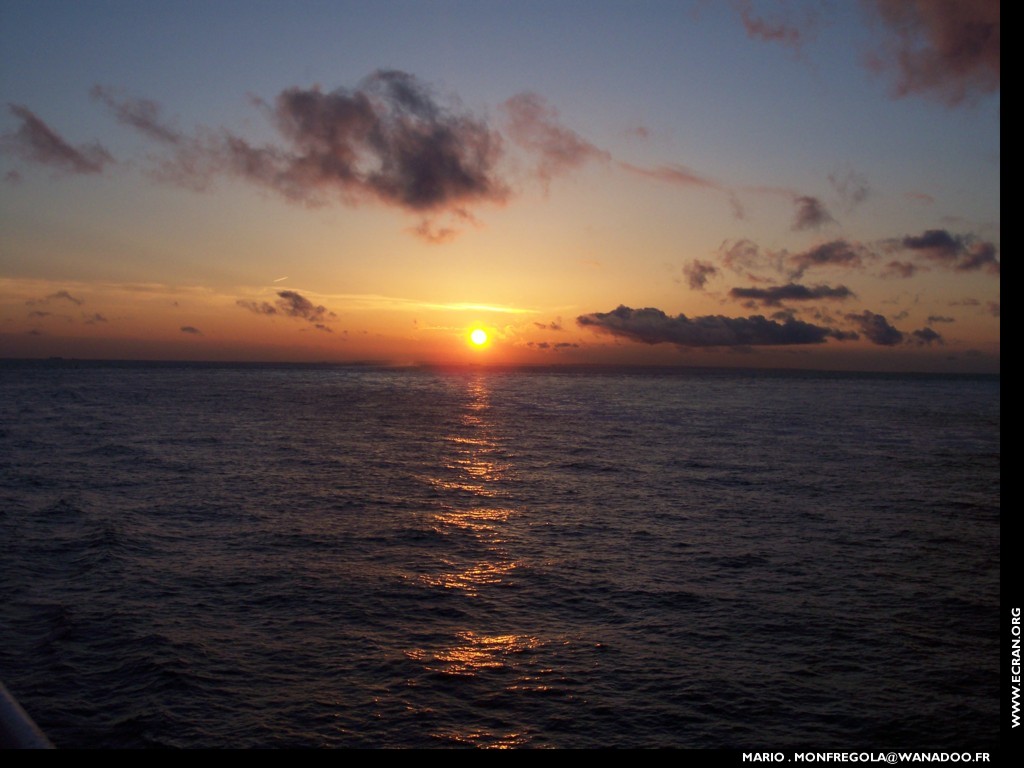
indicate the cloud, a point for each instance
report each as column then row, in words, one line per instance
column 652, row 326
column 899, row 269
column 920, row 197
column 993, row 308
column 787, row 30
column 430, row 232
column 926, row 336
column 259, row 307
column 935, row 244
column 979, row 256
column 37, row 142
column 940, row 319
column 94, row 318
column 389, row 140
column 946, row 49
column 673, row 174
column 876, row 328
column 554, row 325
column 141, row 114
column 810, row 213
column 294, row 304
column 836, row 253
column 774, row 296
column 57, row 296
column 742, row 255
column 698, row 273
column 851, row 187
column 291, row 304
column 681, row 176
column 191, row 329
column 962, row 253
column 534, row 125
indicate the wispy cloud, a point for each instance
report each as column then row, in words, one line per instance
column 948, row 49
column 61, row 295
column 852, row 187
column 534, row 124
column 789, row 27
column 140, row 114
column 37, row 142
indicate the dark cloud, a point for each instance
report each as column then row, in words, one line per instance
column 836, row 253
column 141, row 114
column 534, row 125
column 13, row 177
column 993, row 308
column 926, row 336
column 810, row 213
column 948, row 49
column 295, row 304
column 698, row 273
column 389, row 140
column 36, row 141
column 940, row 319
column 979, row 256
column 963, row 253
column 652, row 326
column 876, row 328
column 935, row 244
column 94, row 318
column 191, row 329
column 774, row 296
column 290, row 304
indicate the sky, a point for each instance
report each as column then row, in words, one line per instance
column 756, row 184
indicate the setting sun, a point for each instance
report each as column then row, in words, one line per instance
column 478, row 336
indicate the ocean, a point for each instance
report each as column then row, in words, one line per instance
column 206, row 555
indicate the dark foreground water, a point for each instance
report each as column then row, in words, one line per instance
column 245, row 556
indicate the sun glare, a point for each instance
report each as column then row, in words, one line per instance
column 478, row 336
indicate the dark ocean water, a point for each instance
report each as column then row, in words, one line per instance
column 261, row 556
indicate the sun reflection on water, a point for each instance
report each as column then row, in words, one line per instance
column 472, row 483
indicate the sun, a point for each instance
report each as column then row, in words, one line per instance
column 478, row 336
